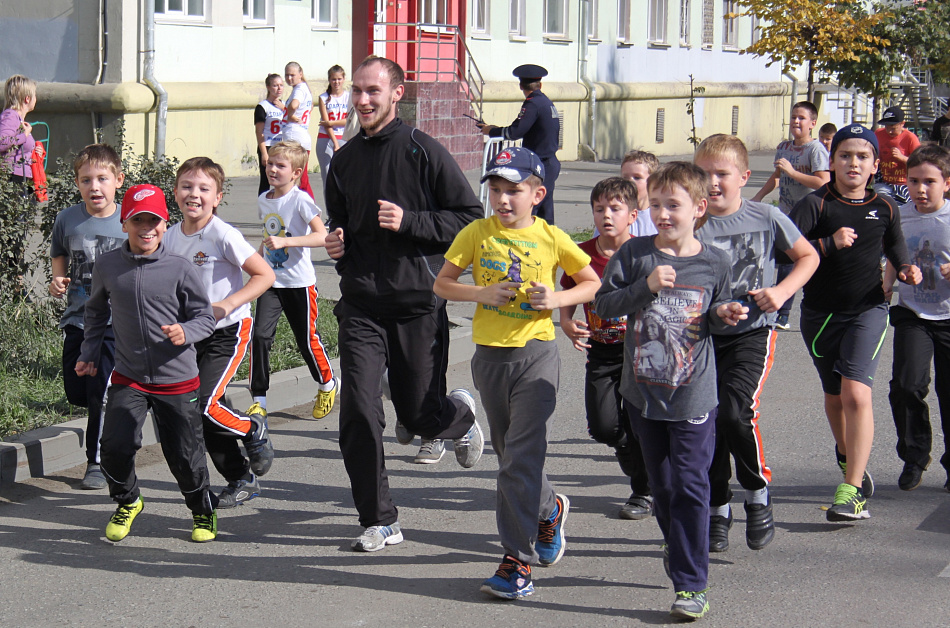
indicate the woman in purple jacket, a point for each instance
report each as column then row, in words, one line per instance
column 16, row 140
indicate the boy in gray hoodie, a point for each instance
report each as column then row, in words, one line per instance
column 159, row 309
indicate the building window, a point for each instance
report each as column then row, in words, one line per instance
column 433, row 11
column 657, row 21
column 730, row 32
column 323, row 13
column 756, row 29
column 684, row 22
column 623, row 21
column 180, row 9
column 593, row 11
column 480, row 16
column 257, row 11
column 555, row 18
column 709, row 11
column 516, row 26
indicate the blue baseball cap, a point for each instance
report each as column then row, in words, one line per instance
column 854, row 132
column 515, row 164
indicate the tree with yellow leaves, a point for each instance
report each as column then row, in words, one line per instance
column 823, row 35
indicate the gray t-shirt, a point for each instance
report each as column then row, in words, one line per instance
column 669, row 367
column 808, row 158
column 81, row 238
column 928, row 243
column 750, row 237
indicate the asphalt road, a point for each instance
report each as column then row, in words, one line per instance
column 285, row 558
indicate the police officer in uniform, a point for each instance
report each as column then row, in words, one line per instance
column 539, row 126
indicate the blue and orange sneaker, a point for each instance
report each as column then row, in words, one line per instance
column 551, row 543
column 511, row 581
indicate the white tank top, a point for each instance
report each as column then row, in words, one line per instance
column 273, row 116
column 337, row 106
column 299, row 131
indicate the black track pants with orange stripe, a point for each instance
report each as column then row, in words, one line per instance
column 299, row 305
column 219, row 356
column 743, row 363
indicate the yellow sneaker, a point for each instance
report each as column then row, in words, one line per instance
column 323, row 402
column 205, row 528
column 121, row 522
column 256, row 410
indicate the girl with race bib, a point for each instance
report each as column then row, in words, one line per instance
column 334, row 104
column 267, row 117
column 296, row 122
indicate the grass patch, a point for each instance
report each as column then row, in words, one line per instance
column 31, row 375
column 582, row 236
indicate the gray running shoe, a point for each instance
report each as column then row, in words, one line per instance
column 469, row 448
column 375, row 538
column 93, row 480
column 430, row 452
column 236, row 493
column 690, row 605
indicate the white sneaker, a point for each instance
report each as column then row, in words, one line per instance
column 375, row 538
column 430, row 452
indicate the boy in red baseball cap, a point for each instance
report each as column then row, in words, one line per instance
column 159, row 309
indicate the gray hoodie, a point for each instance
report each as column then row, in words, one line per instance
column 142, row 293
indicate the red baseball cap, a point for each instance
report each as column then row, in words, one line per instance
column 144, row 197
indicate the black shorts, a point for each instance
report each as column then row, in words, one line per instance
column 844, row 345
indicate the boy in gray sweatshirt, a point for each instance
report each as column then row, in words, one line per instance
column 159, row 309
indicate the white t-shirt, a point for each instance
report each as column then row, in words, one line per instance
column 928, row 244
column 337, row 108
column 218, row 251
column 272, row 121
column 289, row 216
column 299, row 131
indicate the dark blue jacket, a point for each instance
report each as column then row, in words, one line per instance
column 537, row 125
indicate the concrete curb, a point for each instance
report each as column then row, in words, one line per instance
column 41, row 452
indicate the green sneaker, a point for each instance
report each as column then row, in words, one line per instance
column 690, row 605
column 849, row 505
column 121, row 522
column 205, row 528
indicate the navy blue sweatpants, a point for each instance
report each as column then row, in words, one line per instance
column 678, row 455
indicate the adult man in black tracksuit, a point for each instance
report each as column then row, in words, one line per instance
column 396, row 200
column 538, row 128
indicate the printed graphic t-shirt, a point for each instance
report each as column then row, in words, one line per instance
column 496, row 255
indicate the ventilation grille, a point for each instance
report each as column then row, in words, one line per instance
column 660, row 125
column 560, row 130
column 735, row 119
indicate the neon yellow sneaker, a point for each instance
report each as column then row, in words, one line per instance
column 121, row 522
column 205, row 528
column 256, row 411
column 323, row 402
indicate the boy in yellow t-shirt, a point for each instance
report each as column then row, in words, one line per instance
column 515, row 257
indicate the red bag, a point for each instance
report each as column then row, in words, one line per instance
column 39, row 173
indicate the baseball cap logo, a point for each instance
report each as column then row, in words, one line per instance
column 857, row 129
column 503, row 159
column 142, row 195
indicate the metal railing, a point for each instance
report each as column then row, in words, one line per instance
column 437, row 39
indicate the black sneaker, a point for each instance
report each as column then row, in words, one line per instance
column 637, row 507
column 911, row 477
column 719, row 532
column 257, row 444
column 759, row 525
column 239, row 492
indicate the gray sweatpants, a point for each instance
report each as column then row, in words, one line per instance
column 518, row 388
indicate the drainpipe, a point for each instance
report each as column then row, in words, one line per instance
column 794, row 81
column 583, row 56
column 96, row 117
column 152, row 82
